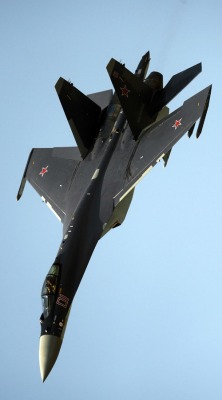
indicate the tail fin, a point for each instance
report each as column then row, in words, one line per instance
column 143, row 66
column 134, row 96
column 140, row 101
column 82, row 112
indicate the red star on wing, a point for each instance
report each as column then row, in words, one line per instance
column 177, row 123
column 43, row 171
column 125, row 91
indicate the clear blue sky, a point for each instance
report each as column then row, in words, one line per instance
column 146, row 322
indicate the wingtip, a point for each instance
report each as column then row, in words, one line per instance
column 23, row 181
column 21, row 188
column 202, row 119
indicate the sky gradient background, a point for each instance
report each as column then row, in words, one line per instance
column 146, row 322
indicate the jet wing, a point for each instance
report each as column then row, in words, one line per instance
column 50, row 172
column 156, row 141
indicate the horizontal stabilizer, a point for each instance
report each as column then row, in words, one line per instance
column 102, row 99
column 177, row 83
column 82, row 113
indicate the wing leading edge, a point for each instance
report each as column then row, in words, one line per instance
column 157, row 141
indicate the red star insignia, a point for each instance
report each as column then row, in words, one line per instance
column 177, row 123
column 125, row 91
column 43, row 171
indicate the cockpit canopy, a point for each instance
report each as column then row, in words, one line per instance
column 49, row 289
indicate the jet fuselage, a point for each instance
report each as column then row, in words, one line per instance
column 120, row 138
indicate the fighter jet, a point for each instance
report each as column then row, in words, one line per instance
column 120, row 137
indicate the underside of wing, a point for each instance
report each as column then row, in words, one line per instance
column 156, row 142
column 50, row 172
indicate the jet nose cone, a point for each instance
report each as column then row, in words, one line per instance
column 49, row 347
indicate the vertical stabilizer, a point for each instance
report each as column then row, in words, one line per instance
column 143, row 66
